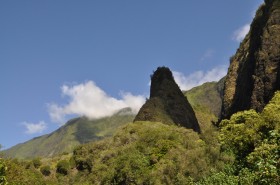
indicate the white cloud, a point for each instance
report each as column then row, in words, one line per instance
column 199, row 77
column 87, row 99
column 134, row 102
column 208, row 54
column 34, row 128
column 240, row 33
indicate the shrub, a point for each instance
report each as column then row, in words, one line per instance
column 254, row 140
column 37, row 162
column 3, row 169
column 63, row 167
column 147, row 153
column 240, row 134
column 18, row 174
column 265, row 160
column 82, row 159
column 45, row 170
column 220, row 178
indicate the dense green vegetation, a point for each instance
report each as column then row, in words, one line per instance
column 253, row 139
column 153, row 153
column 36, row 162
column 63, row 167
column 147, row 153
column 245, row 150
column 206, row 101
column 207, row 96
column 3, row 169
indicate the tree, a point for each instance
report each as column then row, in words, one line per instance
column 254, row 139
column 240, row 134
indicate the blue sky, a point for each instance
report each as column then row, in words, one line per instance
column 60, row 59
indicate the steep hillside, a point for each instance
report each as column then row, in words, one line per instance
column 254, row 72
column 66, row 138
column 167, row 104
column 206, row 101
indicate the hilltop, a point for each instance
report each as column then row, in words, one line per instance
column 167, row 103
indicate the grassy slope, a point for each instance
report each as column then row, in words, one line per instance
column 206, row 101
column 67, row 137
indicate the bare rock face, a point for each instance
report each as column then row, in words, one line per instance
column 167, row 104
column 254, row 72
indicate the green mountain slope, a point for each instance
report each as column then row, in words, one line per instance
column 206, row 101
column 66, row 138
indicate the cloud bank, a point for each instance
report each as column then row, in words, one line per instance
column 34, row 128
column 199, row 77
column 87, row 99
column 240, row 33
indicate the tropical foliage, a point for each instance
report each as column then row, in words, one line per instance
column 147, row 153
column 254, row 141
column 244, row 150
column 3, row 169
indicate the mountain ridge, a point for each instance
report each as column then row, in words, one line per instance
column 74, row 132
column 254, row 72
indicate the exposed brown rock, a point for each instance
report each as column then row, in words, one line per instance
column 254, row 72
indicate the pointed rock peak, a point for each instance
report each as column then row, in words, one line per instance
column 167, row 103
column 160, row 80
column 254, row 72
column 161, row 74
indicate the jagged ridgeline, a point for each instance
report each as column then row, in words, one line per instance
column 167, row 103
column 254, row 72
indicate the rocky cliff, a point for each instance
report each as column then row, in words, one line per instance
column 167, row 103
column 254, row 72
